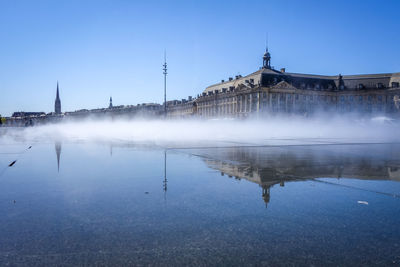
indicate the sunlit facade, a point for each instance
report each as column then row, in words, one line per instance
column 269, row 91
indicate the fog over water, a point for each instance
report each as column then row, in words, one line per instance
column 378, row 129
column 279, row 191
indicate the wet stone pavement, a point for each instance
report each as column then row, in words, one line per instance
column 296, row 204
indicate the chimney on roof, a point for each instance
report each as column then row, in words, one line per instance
column 283, row 70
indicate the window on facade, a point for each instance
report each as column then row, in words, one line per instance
column 380, row 98
column 351, row 98
column 360, row 86
column 341, row 98
column 379, row 85
column 395, row 84
column 360, row 98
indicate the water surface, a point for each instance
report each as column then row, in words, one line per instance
column 81, row 203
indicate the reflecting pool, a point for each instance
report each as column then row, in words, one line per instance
column 82, row 203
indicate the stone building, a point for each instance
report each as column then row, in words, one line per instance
column 181, row 108
column 270, row 91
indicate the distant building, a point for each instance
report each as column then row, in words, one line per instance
column 111, row 105
column 57, row 104
column 27, row 114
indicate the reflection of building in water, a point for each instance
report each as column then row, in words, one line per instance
column 58, row 153
column 269, row 166
column 394, row 173
column 250, row 172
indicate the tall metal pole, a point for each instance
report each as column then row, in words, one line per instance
column 165, row 83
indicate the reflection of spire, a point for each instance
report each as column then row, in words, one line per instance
column 111, row 147
column 165, row 173
column 266, row 195
column 58, row 152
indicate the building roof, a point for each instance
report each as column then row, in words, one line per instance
column 301, row 80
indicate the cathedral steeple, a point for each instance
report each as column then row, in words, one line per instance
column 57, row 104
column 111, row 105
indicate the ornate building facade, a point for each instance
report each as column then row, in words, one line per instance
column 269, row 91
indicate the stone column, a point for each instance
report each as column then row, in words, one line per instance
column 251, row 102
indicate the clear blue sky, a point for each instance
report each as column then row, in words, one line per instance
column 100, row 48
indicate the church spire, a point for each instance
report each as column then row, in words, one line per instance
column 111, row 105
column 57, row 104
column 58, row 96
